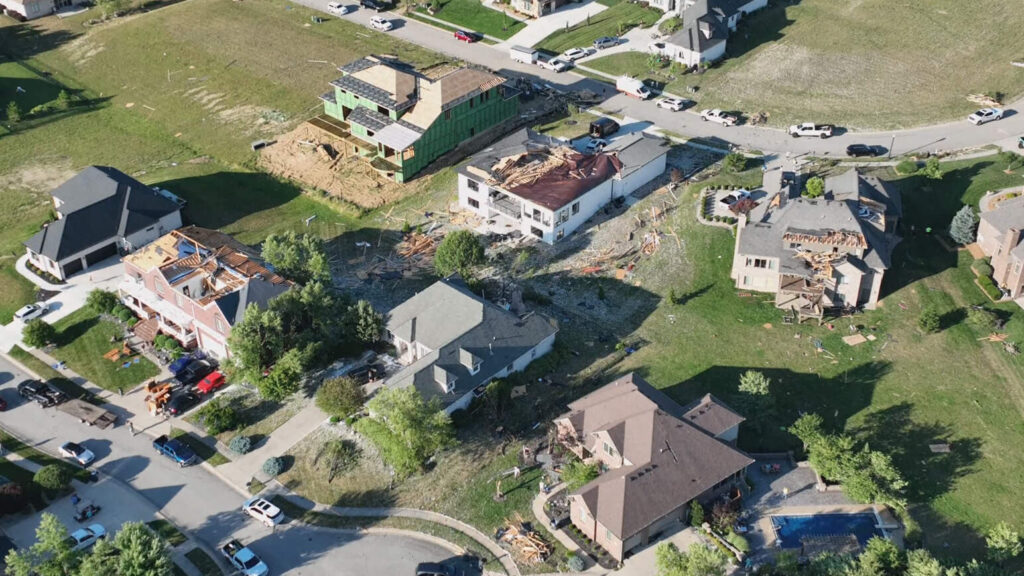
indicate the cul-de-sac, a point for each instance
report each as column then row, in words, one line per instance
column 511, row 287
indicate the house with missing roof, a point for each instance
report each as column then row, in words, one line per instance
column 1001, row 238
column 705, row 29
column 194, row 284
column 401, row 119
column 819, row 254
column 453, row 342
column 657, row 457
column 540, row 186
column 101, row 212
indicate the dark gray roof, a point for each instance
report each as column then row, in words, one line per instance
column 328, row 97
column 458, row 325
column 853, row 186
column 258, row 291
column 370, row 119
column 98, row 204
column 357, row 66
column 637, row 150
column 366, row 90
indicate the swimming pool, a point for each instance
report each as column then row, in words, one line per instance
column 790, row 529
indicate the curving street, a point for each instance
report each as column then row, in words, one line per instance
column 196, row 500
column 952, row 136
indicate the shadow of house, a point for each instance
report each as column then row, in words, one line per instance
column 794, row 393
column 23, row 41
column 220, row 199
column 605, row 308
column 765, row 26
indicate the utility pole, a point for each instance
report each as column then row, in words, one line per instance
column 892, row 143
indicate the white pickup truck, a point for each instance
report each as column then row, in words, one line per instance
column 718, row 116
column 810, row 129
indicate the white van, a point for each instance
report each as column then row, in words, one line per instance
column 524, row 55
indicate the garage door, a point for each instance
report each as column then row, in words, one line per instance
column 101, row 254
column 72, row 267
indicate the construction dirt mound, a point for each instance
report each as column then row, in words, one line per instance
column 318, row 160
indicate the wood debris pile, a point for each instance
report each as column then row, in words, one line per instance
column 416, row 244
column 983, row 100
column 830, row 238
column 526, row 543
column 413, row 255
column 528, row 167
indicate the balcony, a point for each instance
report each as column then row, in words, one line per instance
column 507, row 206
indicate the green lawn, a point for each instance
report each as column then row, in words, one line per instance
column 169, row 532
column 83, row 338
column 203, row 450
column 571, row 126
column 12, row 444
column 33, row 492
column 614, row 21
column 474, row 16
column 201, row 560
column 47, row 373
column 783, row 60
column 15, row 290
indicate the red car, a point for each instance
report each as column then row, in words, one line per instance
column 213, row 381
column 466, row 36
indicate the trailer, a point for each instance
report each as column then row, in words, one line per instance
column 524, row 55
column 88, row 414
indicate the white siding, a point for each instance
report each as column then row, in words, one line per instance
column 479, row 195
column 137, row 240
column 589, row 204
column 629, row 184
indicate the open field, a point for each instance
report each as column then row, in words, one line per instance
column 614, row 21
column 474, row 16
column 871, row 64
column 82, row 340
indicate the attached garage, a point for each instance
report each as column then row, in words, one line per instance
column 72, row 267
column 101, row 254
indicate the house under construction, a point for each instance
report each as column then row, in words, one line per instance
column 819, row 254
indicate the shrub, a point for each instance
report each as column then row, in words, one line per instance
column 989, row 288
column 101, row 301
column 932, row 169
column 12, row 498
column 815, row 187
column 273, row 466
column 13, row 112
column 670, row 25
column 982, row 268
column 340, row 396
column 38, row 333
column 906, row 168
column 53, row 477
column 981, row 319
column 696, row 514
column 734, row 162
column 929, row 321
column 738, row 541
column 576, row 474
column 460, row 251
column 218, row 417
column 63, row 100
column 240, row 444
column 963, row 226
column 576, row 563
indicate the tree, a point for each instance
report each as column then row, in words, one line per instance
column 962, row 227
column 808, row 428
column 734, row 162
column 369, row 323
column 932, row 169
column 135, row 551
column 723, row 517
column 700, row 560
column 336, row 455
column 63, row 100
column 13, row 112
column 257, row 341
column 37, row 333
column 1011, row 159
column 341, row 396
column 880, row 557
column 406, row 429
column 1003, row 543
column 815, row 187
column 929, row 321
column 460, row 251
column 218, row 416
column 101, row 301
column 53, row 477
column 298, row 257
column 498, row 394
column 755, row 383
column 981, row 319
column 576, row 474
column 51, row 555
column 920, row 562
column 872, row 477
column 696, row 514
column 12, row 498
column 284, row 378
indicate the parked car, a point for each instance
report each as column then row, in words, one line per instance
column 555, row 64
column 656, row 47
column 366, row 374
column 595, row 145
column 243, row 559
column 213, row 381
column 86, row 537
column 675, row 104
column 80, row 453
column 606, row 42
column 574, row 54
column 466, row 36
column 857, row 150
column 373, row 5
column 31, row 311
column 3, row 404
column 434, row 569
column 810, row 129
column 603, row 126
column 381, row 23
column 43, row 393
column 181, row 402
column 179, row 364
column 264, row 511
column 337, row 8
column 195, row 371
column 175, row 450
column 718, row 116
column 985, row 115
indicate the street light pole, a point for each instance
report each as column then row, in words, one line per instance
column 891, row 144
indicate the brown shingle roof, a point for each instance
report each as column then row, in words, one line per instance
column 711, row 415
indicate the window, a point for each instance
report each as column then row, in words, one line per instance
column 575, row 208
column 159, row 288
column 473, row 202
column 757, row 262
column 472, row 131
column 408, row 153
column 583, row 515
column 220, row 325
column 472, row 185
column 508, row 369
column 560, row 234
column 471, row 102
column 563, row 216
column 746, row 280
column 608, row 534
column 482, row 98
column 608, row 449
column 533, row 353
column 448, row 114
column 179, row 300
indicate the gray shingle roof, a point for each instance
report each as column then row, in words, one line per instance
column 99, row 204
column 637, row 150
column 257, row 291
column 457, row 324
column 1009, row 214
column 369, row 92
column 370, row 119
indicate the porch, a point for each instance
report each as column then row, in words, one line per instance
column 169, row 319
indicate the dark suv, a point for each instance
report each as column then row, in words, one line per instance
column 373, row 5
column 44, row 394
column 194, row 372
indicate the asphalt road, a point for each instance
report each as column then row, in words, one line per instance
column 201, row 503
column 951, row 136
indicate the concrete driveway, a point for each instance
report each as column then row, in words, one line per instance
column 199, row 502
column 538, row 29
column 643, row 562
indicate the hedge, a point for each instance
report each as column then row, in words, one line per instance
column 989, row 288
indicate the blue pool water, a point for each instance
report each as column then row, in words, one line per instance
column 790, row 529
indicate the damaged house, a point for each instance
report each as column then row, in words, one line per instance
column 819, row 254
column 541, row 186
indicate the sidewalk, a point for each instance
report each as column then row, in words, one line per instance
column 243, row 469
